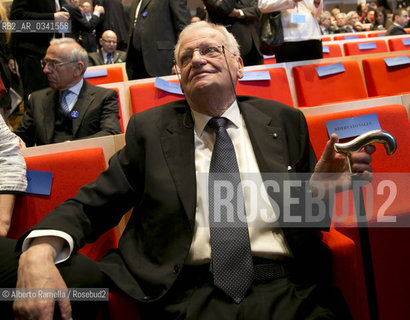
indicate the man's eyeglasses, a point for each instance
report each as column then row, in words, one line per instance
column 52, row 64
column 110, row 41
column 209, row 52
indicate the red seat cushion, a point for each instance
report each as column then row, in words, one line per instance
column 114, row 74
column 353, row 48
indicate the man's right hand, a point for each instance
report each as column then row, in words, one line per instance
column 61, row 16
column 37, row 270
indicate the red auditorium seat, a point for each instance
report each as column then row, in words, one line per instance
column 376, row 34
column 114, row 74
column 145, row 96
column 364, row 47
column 334, row 50
column 313, row 90
column 71, row 170
column 382, row 80
column 349, row 36
column 398, row 43
column 388, row 244
column 277, row 88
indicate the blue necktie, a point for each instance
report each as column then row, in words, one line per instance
column 231, row 257
column 64, row 103
column 110, row 58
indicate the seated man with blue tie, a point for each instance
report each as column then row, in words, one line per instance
column 196, row 246
column 71, row 108
column 108, row 52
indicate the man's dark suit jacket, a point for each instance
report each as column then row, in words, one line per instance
column 32, row 10
column 97, row 108
column 155, row 174
column 244, row 29
column 97, row 58
column 394, row 30
column 80, row 23
column 161, row 21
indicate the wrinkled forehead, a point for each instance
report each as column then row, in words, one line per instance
column 200, row 37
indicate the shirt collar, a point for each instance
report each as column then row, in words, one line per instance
column 201, row 120
column 77, row 87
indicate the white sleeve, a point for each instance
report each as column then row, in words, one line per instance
column 266, row 6
column 62, row 255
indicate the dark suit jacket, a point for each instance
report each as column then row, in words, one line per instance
column 80, row 23
column 32, row 10
column 97, row 58
column 244, row 29
column 155, row 173
column 394, row 30
column 97, row 108
column 161, row 21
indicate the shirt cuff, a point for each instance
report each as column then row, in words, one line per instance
column 64, row 254
column 241, row 14
column 95, row 13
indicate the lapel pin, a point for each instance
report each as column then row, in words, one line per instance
column 275, row 135
column 74, row 114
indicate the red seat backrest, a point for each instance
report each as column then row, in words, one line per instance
column 334, row 51
column 376, row 34
column 71, row 170
column 353, row 48
column 145, row 96
column 313, row 90
column 397, row 44
column 114, row 74
column 350, row 36
column 382, row 80
column 277, row 88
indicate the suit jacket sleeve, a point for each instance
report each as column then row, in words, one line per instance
column 20, row 10
column 26, row 130
column 223, row 7
column 109, row 119
column 180, row 14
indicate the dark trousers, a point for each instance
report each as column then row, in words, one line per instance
column 135, row 64
column 193, row 295
column 299, row 50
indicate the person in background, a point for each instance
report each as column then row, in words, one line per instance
column 108, row 53
column 325, row 23
column 153, row 31
column 29, row 48
column 88, row 39
column 172, row 262
column 301, row 31
column 380, row 20
column 241, row 19
column 13, row 179
column 353, row 23
column 342, row 23
column 70, row 108
column 400, row 21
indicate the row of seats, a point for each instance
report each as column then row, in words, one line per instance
column 361, row 78
column 356, row 35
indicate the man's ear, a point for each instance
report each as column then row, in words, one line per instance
column 239, row 62
column 79, row 68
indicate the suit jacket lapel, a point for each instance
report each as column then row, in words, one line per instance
column 85, row 99
column 177, row 141
column 266, row 137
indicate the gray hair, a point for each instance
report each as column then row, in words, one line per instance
column 231, row 43
column 77, row 53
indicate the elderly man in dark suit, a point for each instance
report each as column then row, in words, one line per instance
column 241, row 18
column 71, row 108
column 177, row 258
column 108, row 52
column 153, row 30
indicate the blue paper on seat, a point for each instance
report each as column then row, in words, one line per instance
column 330, row 69
column 95, row 73
column 255, row 76
column 325, row 49
column 352, row 127
column 268, row 57
column 367, row 45
column 168, row 86
column 351, row 37
column 397, row 61
column 39, row 182
column 406, row 42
